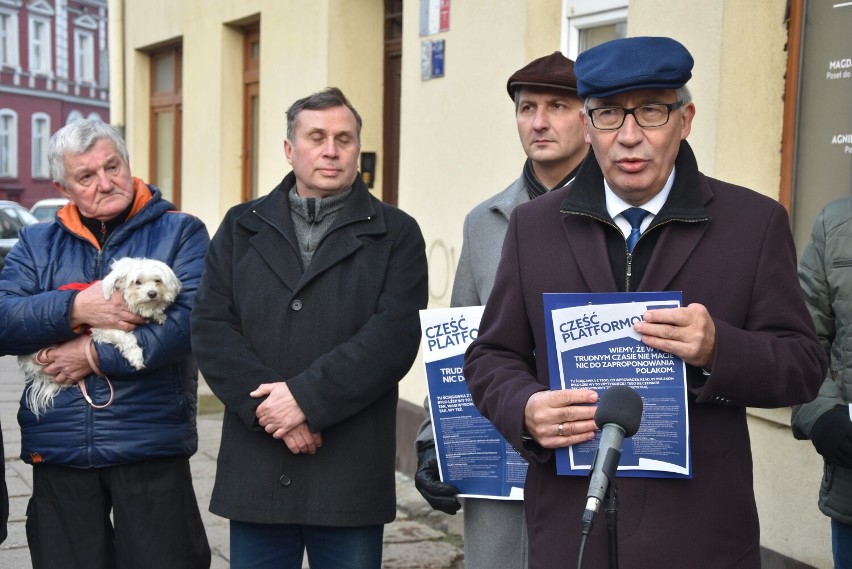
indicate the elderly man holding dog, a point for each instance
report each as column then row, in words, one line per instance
column 304, row 323
column 111, row 482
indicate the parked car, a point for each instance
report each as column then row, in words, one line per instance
column 13, row 217
column 45, row 210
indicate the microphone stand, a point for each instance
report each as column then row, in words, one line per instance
column 611, row 509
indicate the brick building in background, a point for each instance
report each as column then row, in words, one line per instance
column 53, row 69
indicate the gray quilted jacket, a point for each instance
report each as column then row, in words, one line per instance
column 825, row 273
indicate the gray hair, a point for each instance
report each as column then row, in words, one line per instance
column 76, row 138
column 683, row 94
column 325, row 99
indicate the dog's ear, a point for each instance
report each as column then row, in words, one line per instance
column 115, row 279
column 173, row 283
column 112, row 282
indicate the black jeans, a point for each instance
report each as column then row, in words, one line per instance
column 155, row 517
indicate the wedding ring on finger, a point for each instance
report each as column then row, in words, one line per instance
column 42, row 357
column 559, row 430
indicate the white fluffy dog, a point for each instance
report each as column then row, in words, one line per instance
column 148, row 287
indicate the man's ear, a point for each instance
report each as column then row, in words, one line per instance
column 586, row 135
column 687, row 114
column 288, row 150
column 62, row 191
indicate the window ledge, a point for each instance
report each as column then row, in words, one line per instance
column 780, row 416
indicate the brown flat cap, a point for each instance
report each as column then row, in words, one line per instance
column 554, row 71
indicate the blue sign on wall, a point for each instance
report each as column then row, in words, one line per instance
column 437, row 58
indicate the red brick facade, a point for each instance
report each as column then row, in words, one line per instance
column 53, row 69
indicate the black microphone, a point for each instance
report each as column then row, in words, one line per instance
column 618, row 414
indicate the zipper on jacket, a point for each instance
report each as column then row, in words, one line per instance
column 90, row 431
column 99, row 259
column 652, row 227
column 629, row 266
column 629, row 270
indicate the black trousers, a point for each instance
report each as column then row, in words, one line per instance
column 155, row 517
column 4, row 494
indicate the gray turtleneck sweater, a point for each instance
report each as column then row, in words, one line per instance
column 312, row 217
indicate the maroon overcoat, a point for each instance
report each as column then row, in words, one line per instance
column 723, row 246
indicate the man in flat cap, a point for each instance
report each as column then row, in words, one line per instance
column 547, row 111
column 744, row 331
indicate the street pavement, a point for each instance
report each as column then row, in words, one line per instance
column 420, row 538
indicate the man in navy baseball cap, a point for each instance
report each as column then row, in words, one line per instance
column 641, row 216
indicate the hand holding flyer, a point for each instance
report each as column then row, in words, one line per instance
column 592, row 345
column 472, row 456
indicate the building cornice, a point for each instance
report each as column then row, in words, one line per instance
column 86, row 21
column 41, row 7
column 54, row 95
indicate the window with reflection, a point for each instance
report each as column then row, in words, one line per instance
column 251, row 106
column 166, row 106
column 40, row 138
column 8, row 143
column 8, row 40
column 84, row 56
column 40, row 48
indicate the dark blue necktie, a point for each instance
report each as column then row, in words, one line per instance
column 634, row 216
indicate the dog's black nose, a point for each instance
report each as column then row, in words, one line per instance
column 152, row 294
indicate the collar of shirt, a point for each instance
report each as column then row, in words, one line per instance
column 615, row 205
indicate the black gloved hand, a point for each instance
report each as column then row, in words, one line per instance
column 832, row 436
column 440, row 495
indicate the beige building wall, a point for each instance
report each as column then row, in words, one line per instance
column 459, row 142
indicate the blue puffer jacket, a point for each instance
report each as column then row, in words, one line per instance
column 153, row 414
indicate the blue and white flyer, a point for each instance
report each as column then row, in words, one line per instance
column 472, row 455
column 591, row 344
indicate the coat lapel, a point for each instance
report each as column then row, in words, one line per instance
column 587, row 241
column 358, row 218
column 675, row 246
column 686, row 222
column 274, row 238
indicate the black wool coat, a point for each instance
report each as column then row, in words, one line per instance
column 341, row 334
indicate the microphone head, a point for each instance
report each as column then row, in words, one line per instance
column 620, row 405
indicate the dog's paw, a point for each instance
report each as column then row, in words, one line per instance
column 134, row 357
column 125, row 342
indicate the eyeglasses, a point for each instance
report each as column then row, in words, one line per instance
column 647, row 116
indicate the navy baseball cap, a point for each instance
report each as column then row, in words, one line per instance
column 629, row 64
